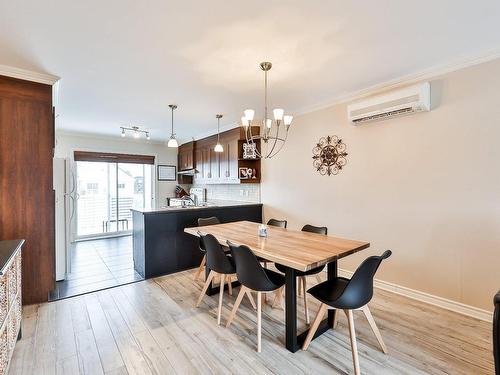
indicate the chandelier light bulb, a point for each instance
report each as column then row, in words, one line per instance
column 136, row 134
column 249, row 113
column 245, row 122
column 147, row 136
column 123, row 132
column 269, row 123
column 278, row 114
column 287, row 119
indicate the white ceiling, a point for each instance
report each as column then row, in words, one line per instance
column 123, row 61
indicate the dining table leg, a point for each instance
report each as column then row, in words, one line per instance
column 325, row 325
column 291, row 310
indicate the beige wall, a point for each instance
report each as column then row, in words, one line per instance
column 67, row 143
column 426, row 186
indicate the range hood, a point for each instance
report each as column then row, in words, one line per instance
column 188, row 172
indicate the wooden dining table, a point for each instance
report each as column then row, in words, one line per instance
column 298, row 251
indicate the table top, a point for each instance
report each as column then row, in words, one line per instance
column 292, row 248
column 8, row 249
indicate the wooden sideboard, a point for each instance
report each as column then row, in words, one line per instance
column 10, row 300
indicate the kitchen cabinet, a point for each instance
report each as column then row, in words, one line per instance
column 185, row 156
column 214, row 167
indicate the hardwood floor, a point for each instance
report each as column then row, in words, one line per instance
column 96, row 265
column 152, row 327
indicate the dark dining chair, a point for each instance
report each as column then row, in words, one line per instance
column 348, row 295
column 219, row 264
column 253, row 278
column 277, row 223
column 496, row 333
column 201, row 223
column 303, row 274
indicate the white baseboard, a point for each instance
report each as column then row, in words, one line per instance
column 429, row 298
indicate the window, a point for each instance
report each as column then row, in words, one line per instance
column 92, row 187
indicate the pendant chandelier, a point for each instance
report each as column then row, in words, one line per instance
column 273, row 132
column 218, row 147
column 172, row 142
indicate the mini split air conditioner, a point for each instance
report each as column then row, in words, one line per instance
column 405, row 101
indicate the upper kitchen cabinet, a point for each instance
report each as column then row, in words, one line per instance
column 186, row 156
column 185, row 162
column 223, row 168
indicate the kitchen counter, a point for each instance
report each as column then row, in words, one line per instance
column 160, row 245
column 210, row 204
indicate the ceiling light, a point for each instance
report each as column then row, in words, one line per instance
column 271, row 132
column 136, row 132
column 172, row 142
column 218, row 147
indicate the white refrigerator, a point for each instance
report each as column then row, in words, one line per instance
column 65, row 200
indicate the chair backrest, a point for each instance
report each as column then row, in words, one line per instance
column 217, row 260
column 496, row 333
column 313, row 229
column 248, row 269
column 359, row 290
column 277, row 223
column 202, row 221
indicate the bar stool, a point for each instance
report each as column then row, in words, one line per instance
column 253, row 277
column 348, row 295
column 219, row 264
column 302, row 274
column 201, row 223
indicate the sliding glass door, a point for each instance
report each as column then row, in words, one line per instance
column 107, row 192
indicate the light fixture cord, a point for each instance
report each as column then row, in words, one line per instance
column 172, row 133
column 265, row 100
column 218, row 124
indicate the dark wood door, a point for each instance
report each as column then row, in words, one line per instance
column 27, row 199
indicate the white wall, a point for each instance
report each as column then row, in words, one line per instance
column 426, row 186
column 67, row 143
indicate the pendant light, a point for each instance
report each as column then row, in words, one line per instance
column 172, row 142
column 218, row 146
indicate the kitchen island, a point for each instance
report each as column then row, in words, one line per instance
column 160, row 245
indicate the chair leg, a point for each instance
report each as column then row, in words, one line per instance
column 354, row 346
column 314, row 326
column 318, row 278
column 250, row 298
column 200, row 268
column 304, row 287
column 230, row 284
column 221, row 295
column 211, row 275
column 374, row 327
column 242, row 292
column 336, row 319
column 259, row 321
column 278, row 296
column 299, row 286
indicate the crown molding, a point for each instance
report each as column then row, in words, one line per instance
column 28, row 75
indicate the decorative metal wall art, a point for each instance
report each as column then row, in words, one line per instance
column 329, row 155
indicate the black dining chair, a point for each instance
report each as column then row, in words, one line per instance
column 201, row 223
column 253, row 277
column 348, row 295
column 496, row 333
column 303, row 274
column 277, row 223
column 219, row 264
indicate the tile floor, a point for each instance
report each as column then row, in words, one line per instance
column 96, row 265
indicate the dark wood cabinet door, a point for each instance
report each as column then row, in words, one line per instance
column 214, row 165
column 206, row 163
column 185, row 156
column 27, row 201
column 232, row 148
column 198, row 164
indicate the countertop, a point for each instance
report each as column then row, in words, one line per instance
column 8, row 249
column 210, row 205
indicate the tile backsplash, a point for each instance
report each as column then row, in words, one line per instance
column 232, row 192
